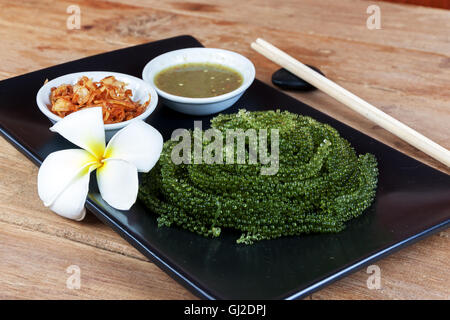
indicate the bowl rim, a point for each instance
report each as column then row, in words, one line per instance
column 112, row 126
column 247, row 82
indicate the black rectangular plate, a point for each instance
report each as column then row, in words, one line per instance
column 413, row 200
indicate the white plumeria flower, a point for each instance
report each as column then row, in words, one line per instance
column 63, row 178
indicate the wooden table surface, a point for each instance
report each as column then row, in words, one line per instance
column 403, row 68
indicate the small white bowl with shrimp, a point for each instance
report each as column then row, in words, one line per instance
column 141, row 92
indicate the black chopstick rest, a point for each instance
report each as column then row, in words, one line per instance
column 288, row 81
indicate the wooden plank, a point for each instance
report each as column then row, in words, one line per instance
column 403, row 70
column 412, row 27
column 404, row 275
column 443, row 4
column 21, row 206
column 34, row 266
column 396, row 80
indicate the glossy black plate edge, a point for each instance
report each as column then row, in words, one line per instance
column 190, row 284
column 366, row 262
column 180, row 37
column 150, row 253
column 155, row 256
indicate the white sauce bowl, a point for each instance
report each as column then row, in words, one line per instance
column 140, row 89
column 200, row 106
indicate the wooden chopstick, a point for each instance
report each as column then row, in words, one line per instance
column 353, row 102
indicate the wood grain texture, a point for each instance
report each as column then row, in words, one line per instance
column 443, row 4
column 404, row 69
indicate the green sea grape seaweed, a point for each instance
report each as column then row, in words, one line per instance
column 321, row 183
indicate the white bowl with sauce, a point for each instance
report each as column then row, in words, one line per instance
column 200, row 106
column 141, row 92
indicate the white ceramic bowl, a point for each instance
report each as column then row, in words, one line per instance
column 200, row 106
column 141, row 91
